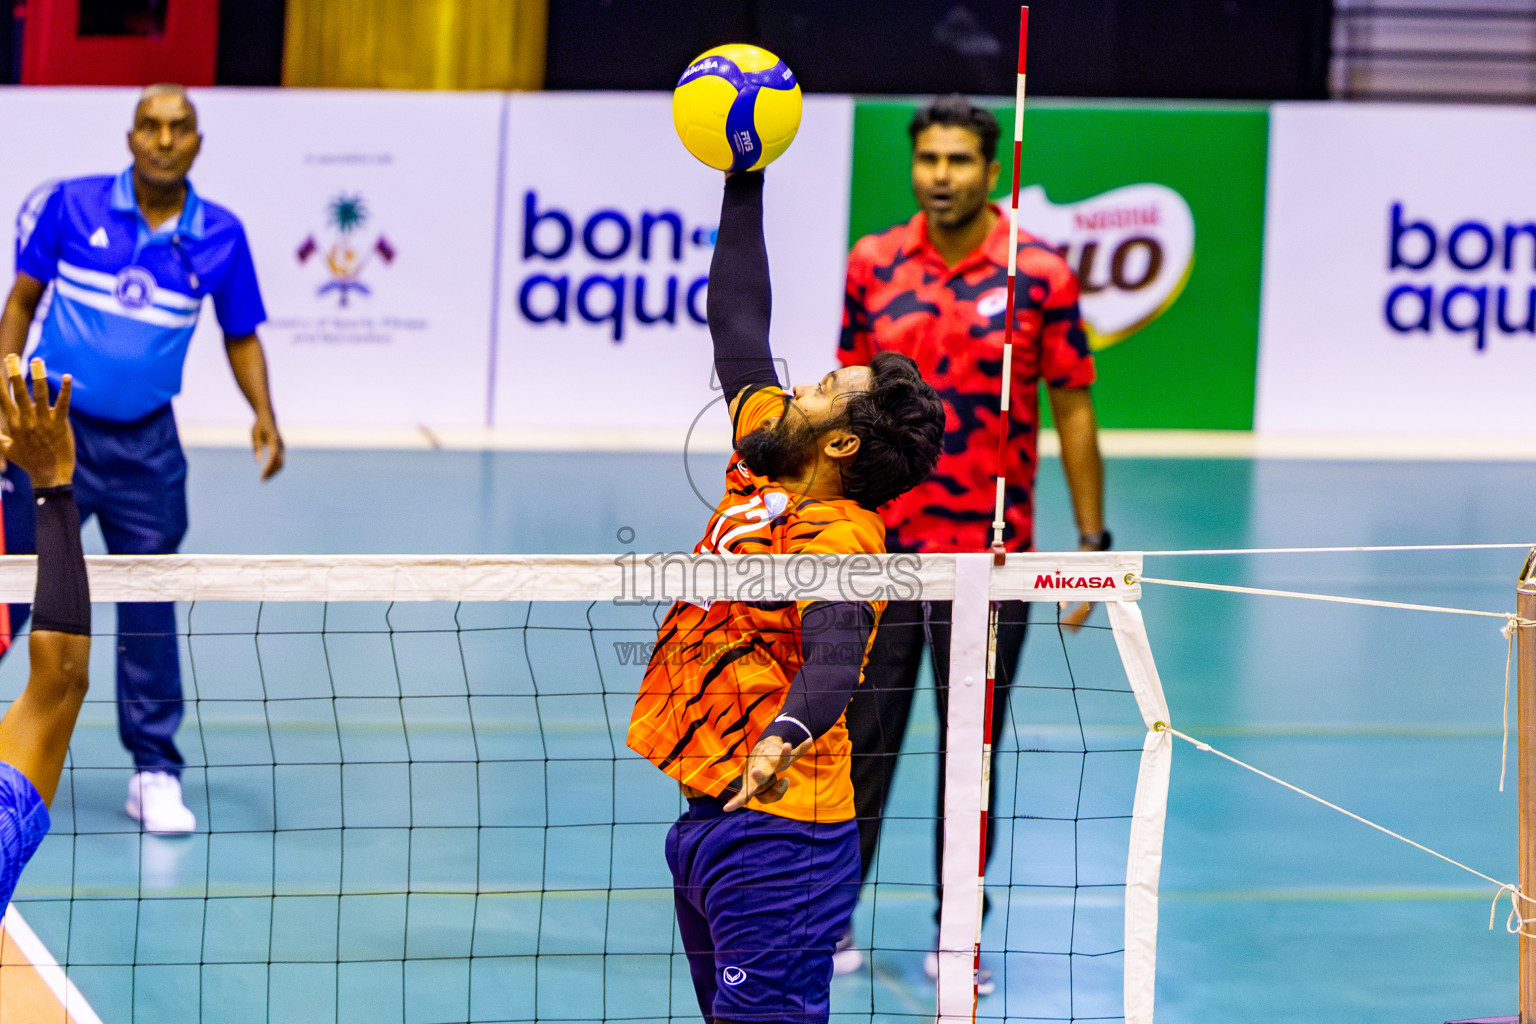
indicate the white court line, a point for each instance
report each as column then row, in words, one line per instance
column 1171, row 444
column 64, row 990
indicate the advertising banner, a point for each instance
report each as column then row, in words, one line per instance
column 371, row 218
column 1400, row 270
column 1159, row 210
column 606, row 241
column 371, row 221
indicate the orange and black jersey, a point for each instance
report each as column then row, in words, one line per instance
column 719, row 674
column 901, row 297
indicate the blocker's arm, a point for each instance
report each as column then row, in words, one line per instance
column 35, row 732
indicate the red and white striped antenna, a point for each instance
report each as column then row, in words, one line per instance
column 998, row 553
column 956, row 1004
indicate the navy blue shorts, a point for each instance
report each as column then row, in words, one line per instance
column 761, row 902
column 23, row 824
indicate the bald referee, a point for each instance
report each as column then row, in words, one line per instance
column 129, row 260
column 35, row 732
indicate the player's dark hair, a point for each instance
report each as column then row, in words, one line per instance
column 899, row 422
column 955, row 111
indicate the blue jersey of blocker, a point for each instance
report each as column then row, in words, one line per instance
column 126, row 299
column 23, row 824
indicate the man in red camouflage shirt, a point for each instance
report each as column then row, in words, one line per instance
column 935, row 289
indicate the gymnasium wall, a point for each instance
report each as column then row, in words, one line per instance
column 527, row 269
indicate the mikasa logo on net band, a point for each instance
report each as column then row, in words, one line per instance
column 1066, row 581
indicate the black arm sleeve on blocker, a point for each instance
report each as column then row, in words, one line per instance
column 740, row 299
column 63, row 600
column 833, row 638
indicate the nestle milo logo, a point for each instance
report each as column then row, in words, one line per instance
column 1132, row 248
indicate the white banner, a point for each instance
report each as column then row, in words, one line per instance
column 607, row 236
column 1399, row 270
column 371, row 219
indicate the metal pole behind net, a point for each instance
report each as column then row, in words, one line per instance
column 1525, row 608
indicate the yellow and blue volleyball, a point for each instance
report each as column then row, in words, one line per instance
column 737, row 107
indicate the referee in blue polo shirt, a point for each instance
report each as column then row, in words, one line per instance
column 131, row 259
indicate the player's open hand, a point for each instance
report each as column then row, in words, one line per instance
column 37, row 436
column 761, row 779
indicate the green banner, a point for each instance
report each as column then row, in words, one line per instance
column 1160, row 209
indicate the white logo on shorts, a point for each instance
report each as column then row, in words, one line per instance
column 733, row 976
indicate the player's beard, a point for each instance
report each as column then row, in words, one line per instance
column 779, row 451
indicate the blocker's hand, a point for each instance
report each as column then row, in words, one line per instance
column 761, row 779
column 37, row 436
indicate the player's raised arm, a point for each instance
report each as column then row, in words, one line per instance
column 740, row 298
column 35, row 732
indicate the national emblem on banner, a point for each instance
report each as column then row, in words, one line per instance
column 346, row 257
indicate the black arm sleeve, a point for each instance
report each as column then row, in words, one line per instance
column 833, row 636
column 63, row 600
column 740, row 299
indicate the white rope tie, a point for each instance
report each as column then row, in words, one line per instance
column 1320, row 597
column 1517, row 919
column 1515, row 923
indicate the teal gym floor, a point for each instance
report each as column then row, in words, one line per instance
column 379, row 803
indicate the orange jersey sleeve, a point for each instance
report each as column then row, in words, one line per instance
column 759, row 407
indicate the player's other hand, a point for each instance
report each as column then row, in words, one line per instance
column 37, row 436
column 267, row 443
column 761, row 779
column 1074, row 615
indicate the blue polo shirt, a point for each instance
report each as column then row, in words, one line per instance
column 126, row 299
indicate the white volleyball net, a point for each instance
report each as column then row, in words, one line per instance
column 415, row 803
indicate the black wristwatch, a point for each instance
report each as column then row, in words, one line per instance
column 1100, row 541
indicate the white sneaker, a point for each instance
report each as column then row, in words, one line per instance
column 985, row 986
column 845, row 958
column 154, row 800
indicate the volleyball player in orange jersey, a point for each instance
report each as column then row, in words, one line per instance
column 743, row 703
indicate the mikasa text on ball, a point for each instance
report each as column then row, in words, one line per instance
column 737, row 107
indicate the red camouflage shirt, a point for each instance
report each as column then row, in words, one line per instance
column 902, row 298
